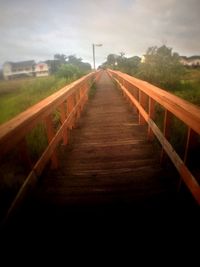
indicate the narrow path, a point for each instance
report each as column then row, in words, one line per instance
column 109, row 160
column 109, row 180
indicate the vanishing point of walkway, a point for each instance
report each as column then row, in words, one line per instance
column 107, row 168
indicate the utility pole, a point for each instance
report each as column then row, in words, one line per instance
column 93, row 52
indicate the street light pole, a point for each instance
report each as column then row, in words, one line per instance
column 93, row 51
column 93, row 55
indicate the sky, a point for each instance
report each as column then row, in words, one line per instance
column 38, row 29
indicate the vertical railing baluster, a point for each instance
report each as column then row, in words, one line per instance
column 192, row 140
column 166, row 131
column 150, row 134
column 70, row 105
column 142, row 101
column 63, row 118
column 50, row 135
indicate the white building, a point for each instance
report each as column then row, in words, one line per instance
column 193, row 61
column 29, row 68
column 18, row 69
column 41, row 69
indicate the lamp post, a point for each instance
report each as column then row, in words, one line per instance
column 93, row 50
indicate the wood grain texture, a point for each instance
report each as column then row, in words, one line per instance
column 109, row 159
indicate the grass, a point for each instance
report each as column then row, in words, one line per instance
column 189, row 87
column 16, row 96
column 92, row 90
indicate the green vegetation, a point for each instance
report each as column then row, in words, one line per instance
column 122, row 63
column 92, row 90
column 17, row 96
column 162, row 68
column 189, row 87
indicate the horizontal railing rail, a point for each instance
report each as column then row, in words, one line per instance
column 144, row 97
column 69, row 102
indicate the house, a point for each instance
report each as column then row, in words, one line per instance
column 41, row 69
column 18, row 69
column 193, row 61
column 12, row 70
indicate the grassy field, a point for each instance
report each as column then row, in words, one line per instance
column 17, row 95
column 189, row 89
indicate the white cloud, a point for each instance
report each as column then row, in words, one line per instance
column 39, row 29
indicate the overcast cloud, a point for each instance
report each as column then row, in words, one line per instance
column 38, row 29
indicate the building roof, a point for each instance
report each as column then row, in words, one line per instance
column 190, row 58
column 22, row 64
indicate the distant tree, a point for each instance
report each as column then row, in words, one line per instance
column 60, row 57
column 111, row 60
column 54, row 65
column 72, row 59
column 161, row 67
column 83, row 67
column 69, row 72
column 122, row 54
column 122, row 63
column 129, row 65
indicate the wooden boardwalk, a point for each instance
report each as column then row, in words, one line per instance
column 107, row 168
column 109, row 160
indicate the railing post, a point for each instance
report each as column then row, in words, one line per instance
column 50, row 135
column 63, row 118
column 142, row 101
column 23, row 149
column 70, row 105
column 166, row 131
column 78, row 97
column 192, row 140
column 152, row 103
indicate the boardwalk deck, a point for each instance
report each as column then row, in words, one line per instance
column 109, row 160
column 108, row 166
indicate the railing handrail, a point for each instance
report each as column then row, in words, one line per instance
column 13, row 130
column 182, row 109
column 188, row 113
column 69, row 101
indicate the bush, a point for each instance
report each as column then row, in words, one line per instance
column 161, row 67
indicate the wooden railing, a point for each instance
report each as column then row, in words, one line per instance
column 69, row 102
column 144, row 97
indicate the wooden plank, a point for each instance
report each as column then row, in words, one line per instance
column 70, row 108
column 186, row 175
column 39, row 166
column 166, row 132
column 32, row 178
column 152, row 103
column 24, row 154
column 142, row 101
column 50, row 135
column 14, row 130
column 61, row 109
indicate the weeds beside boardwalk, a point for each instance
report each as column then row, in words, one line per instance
column 17, row 95
column 189, row 89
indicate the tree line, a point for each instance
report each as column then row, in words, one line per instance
column 69, row 67
column 160, row 66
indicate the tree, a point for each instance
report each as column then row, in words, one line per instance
column 60, row 57
column 111, row 59
column 122, row 63
column 68, row 72
column 161, row 67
